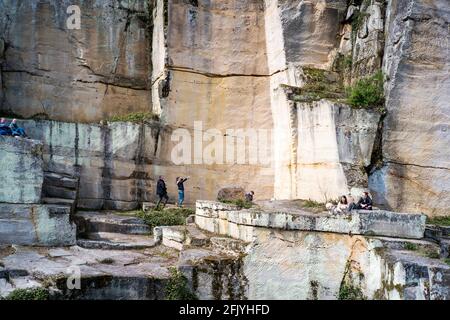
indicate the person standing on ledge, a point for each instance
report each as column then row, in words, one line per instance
column 180, row 185
column 161, row 192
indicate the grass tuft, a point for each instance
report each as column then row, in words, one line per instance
column 440, row 221
column 167, row 217
column 240, row 203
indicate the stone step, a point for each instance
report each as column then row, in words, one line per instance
column 110, row 222
column 179, row 236
column 58, row 192
column 437, row 233
column 115, row 241
column 407, row 244
column 60, row 180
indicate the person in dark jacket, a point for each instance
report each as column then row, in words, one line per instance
column 5, row 130
column 180, row 186
column 249, row 196
column 161, row 192
column 365, row 202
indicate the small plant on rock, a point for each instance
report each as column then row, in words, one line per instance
column 177, row 287
column 367, row 92
column 410, row 246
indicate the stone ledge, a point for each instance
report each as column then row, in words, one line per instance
column 222, row 219
column 41, row 225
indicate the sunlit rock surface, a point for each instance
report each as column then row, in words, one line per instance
column 80, row 75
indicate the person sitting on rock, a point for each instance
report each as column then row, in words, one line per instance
column 342, row 206
column 249, row 196
column 365, row 202
column 180, row 186
column 5, row 130
column 16, row 130
column 161, row 192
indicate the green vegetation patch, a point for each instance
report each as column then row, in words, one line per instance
column 167, row 217
column 440, row 221
column 432, row 254
column 319, row 84
column 240, row 203
column 136, row 117
column 350, row 292
column 177, row 287
column 367, row 92
column 29, row 294
column 410, row 246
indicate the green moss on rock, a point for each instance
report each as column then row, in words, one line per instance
column 29, row 294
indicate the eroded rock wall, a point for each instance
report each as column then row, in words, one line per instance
column 84, row 75
column 415, row 175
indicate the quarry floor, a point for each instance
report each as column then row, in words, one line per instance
column 116, row 263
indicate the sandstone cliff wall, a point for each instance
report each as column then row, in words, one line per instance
column 83, row 75
column 225, row 63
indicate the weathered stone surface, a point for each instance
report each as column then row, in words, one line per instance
column 309, row 265
column 105, row 274
column 42, row 225
column 219, row 37
column 21, row 170
column 291, row 26
column 80, row 75
column 416, row 175
column 213, row 275
column 109, row 222
column 178, row 237
column 333, row 144
column 241, row 224
column 231, row 193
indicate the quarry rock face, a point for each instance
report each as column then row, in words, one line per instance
column 22, row 170
column 416, row 175
column 78, row 75
column 225, row 65
column 332, row 144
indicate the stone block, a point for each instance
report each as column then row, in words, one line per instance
column 21, row 171
column 362, row 222
column 41, row 225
